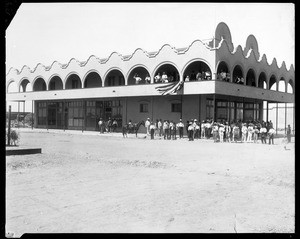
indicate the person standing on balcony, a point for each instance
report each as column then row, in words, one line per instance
column 148, row 79
column 198, row 76
column 164, row 77
column 157, row 78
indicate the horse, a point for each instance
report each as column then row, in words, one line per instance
column 126, row 129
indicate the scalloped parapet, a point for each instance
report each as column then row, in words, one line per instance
column 251, row 44
column 223, row 32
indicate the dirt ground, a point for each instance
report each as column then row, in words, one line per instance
column 91, row 183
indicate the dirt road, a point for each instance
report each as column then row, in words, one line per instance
column 84, row 182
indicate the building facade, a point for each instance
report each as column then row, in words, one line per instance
column 225, row 83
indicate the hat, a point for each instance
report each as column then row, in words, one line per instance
column 195, row 120
column 180, row 120
column 190, row 123
column 148, row 118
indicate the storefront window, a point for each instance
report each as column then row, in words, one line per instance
column 42, row 113
column 209, row 109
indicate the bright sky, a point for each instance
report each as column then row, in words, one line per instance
column 47, row 32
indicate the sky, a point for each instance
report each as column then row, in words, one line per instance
column 48, row 32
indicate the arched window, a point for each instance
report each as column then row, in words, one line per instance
column 238, row 75
column 12, row 87
column 92, row 80
column 262, row 80
column 139, row 75
column 39, row 85
column 73, row 82
column 290, row 87
column 55, row 83
column 167, row 73
column 250, row 78
column 272, row 83
column 197, row 71
column 281, row 85
column 223, row 72
column 25, row 86
column 114, row 78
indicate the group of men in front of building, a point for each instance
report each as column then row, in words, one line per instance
column 220, row 131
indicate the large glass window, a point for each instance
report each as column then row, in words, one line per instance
column 222, row 110
column 239, row 111
column 209, row 109
column 42, row 113
column 75, row 114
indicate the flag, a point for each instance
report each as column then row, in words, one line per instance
column 171, row 88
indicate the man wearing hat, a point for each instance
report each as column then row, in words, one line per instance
column 180, row 127
column 196, row 129
column 244, row 132
column 191, row 131
column 250, row 133
column 288, row 134
column 147, row 125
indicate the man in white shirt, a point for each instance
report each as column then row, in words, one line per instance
column 164, row 78
column 180, row 127
column 263, row 132
column 244, row 133
column 148, row 79
column 147, row 125
column 157, row 78
column 271, row 135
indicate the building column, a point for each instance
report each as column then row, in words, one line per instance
column 83, row 112
column 24, row 112
column 32, row 114
column 47, row 114
column 124, row 123
column 181, row 100
column 152, row 109
column 214, row 105
column 294, row 118
column 285, row 118
column 276, row 117
column 267, row 111
column 18, row 112
column 64, row 114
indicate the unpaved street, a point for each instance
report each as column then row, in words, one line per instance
column 84, row 182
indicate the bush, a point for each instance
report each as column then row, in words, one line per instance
column 14, row 137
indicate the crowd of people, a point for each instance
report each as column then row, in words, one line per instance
column 235, row 131
column 107, row 126
column 200, row 76
column 222, row 131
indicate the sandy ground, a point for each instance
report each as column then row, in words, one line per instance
column 91, row 183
